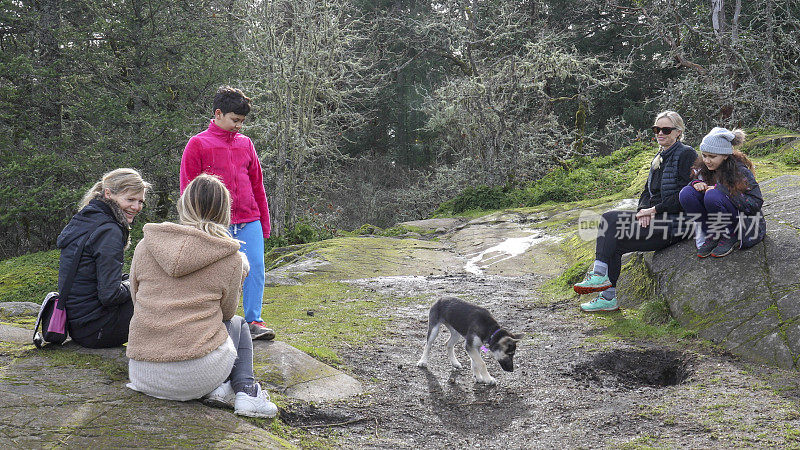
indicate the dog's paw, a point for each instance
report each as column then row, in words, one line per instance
column 490, row 381
column 456, row 365
column 422, row 363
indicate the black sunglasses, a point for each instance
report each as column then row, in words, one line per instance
column 666, row 130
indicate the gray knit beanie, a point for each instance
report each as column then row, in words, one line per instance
column 718, row 141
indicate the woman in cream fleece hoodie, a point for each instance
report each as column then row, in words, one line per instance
column 185, row 341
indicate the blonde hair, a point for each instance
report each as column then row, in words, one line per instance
column 206, row 205
column 673, row 117
column 117, row 181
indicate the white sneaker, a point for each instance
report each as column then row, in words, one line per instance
column 258, row 406
column 221, row 397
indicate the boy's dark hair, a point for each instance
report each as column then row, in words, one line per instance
column 229, row 99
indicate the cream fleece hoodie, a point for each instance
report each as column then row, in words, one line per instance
column 184, row 283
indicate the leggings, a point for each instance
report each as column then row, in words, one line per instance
column 241, row 376
column 622, row 234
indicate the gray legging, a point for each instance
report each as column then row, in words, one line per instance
column 241, row 377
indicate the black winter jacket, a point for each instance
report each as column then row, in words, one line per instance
column 97, row 289
column 665, row 183
column 751, row 227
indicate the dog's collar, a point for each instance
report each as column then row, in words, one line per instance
column 484, row 349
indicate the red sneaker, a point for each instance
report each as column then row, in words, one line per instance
column 259, row 330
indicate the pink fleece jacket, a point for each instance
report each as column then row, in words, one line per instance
column 232, row 157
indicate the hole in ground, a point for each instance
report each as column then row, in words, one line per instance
column 632, row 368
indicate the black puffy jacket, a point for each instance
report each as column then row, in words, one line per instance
column 97, row 289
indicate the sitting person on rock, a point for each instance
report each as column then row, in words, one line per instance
column 98, row 301
column 657, row 223
column 186, row 279
column 725, row 196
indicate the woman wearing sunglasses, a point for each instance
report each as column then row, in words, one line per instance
column 656, row 224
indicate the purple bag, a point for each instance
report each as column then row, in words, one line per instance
column 53, row 319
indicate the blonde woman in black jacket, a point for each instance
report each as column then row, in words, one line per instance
column 98, row 305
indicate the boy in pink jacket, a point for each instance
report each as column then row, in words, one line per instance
column 220, row 150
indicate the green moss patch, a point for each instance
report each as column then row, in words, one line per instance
column 115, row 370
column 622, row 173
column 29, row 278
column 320, row 317
column 629, row 324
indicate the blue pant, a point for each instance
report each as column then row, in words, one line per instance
column 718, row 216
column 252, row 237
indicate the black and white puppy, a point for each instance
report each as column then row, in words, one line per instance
column 480, row 330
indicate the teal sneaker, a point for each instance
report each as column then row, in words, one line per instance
column 600, row 304
column 592, row 283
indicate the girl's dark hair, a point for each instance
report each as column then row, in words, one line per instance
column 726, row 173
column 229, row 99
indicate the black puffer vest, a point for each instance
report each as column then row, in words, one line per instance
column 669, row 184
column 669, row 176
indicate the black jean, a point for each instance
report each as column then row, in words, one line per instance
column 623, row 234
column 114, row 333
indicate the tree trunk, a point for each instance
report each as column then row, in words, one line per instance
column 718, row 18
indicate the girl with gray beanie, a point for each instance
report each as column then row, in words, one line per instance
column 724, row 197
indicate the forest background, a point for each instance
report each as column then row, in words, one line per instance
column 368, row 111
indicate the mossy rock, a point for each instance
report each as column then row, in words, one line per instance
column 636, row 283
column 748, row 301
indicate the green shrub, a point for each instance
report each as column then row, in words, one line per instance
column 476, row 198
column 595, row 177
column 303, row 232
column 367, row 229
column 790, row 154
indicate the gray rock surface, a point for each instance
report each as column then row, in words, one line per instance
column 287, row 369
column 17, row 335
column 18, row 309
column 297, row 375
column 67, row 396
column 445, row 223
column 748, row 301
